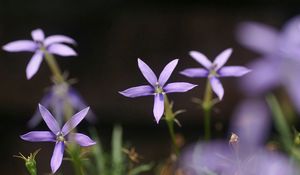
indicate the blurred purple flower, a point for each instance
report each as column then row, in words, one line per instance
column 40, row 44
column 157, row 87
column 219, row 158
column 214, row 70
column 57, row 99
column 59, row 135
column 280, row 62
column 251, row 122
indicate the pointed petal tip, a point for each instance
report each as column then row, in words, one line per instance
column 29, row 76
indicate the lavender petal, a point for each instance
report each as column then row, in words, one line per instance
column 222, row 58
column 36, row 118
column 292, row 86
column 34, row 64
column 201, row 58
column 233, row 71
column 58, row 39
column 57, row 156
column 49, row 120
column 258, row 37
column 217, row 87
column 74, row 121
column 78, row 103
column 81, row 139
column 20, row 46
column 138, row 91
column 195, row 72
column 251, row 123
column 262, row 78
column 147, row 72
column 167, row 71
column 39, row 136
column 158, row 108
column 61, row 50
column 178, row 87
column 38, row 35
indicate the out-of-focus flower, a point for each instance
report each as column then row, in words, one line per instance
column 40, row 45
column 219, row 158
column 157, row 87
column 280, row 61
column 214, row 70
column 59, row 135
column 60, row 97
column 251, row 122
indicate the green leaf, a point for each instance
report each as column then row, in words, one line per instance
column 141, row 168
column 117, row 154
column 98, row 154
column 280, row 122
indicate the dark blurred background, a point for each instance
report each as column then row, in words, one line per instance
column 111, row 35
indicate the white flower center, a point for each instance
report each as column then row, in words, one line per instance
column 158, row 89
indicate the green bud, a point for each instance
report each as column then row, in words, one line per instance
column 30, row 162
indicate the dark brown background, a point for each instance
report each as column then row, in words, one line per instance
column 111, row 36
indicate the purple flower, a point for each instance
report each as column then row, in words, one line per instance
column 221, row 158
column 214, row 70
column 59, row 135
column 251, row 122
column 157, row 87
column 280, row 60
column 59, row 97
column 39, row 45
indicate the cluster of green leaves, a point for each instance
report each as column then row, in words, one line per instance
column 115, row 162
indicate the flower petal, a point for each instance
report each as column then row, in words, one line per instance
column 38, row 35
column 217, row 87
column 20, row 45
column 57, row 156
column 258, row 37
column 195, row 72
column 78, row 103
column 147, row 72
column 292, row 85
column 74, row 121
column 222, row 58
column 39, row 136
column 81, row 139
column 138, row 91
column 263, row 77
column 36, row 118
column 61, row 50
column 49, row 120
column 34, row 64
column 201, row 58
column 178, row 87
column 58, row 39
column 158, row 108
column 233, row 71
column 167, row 71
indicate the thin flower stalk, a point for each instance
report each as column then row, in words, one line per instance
column 213, row 71
column 170, row 119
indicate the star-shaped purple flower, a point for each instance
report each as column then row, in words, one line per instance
column 40, row 44
column 278, row 65
column 58, row 135
column 59, row 96
column 157, row 87
column 214, row 70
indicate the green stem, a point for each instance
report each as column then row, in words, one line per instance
column 280, row 122
column 74, row 152
column 54, row 67
column 169, row 116
column 207, row 106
